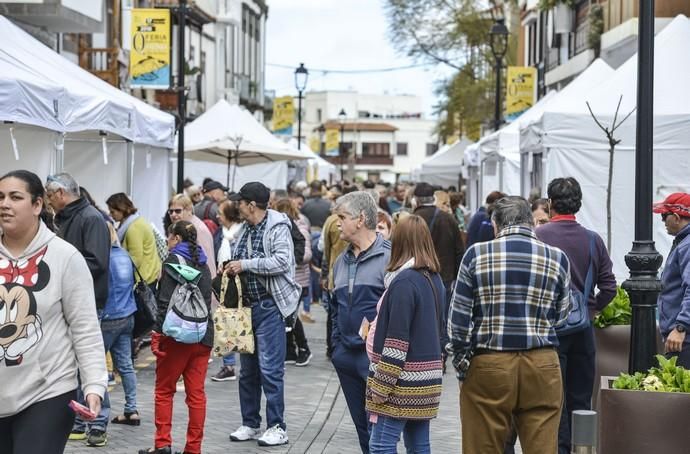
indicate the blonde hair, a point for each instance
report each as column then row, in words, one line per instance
column 114, row 240
column 182, row 200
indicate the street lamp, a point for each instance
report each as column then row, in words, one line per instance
column 499, row 46
column 643, row 260
column 301, row 76
column 341, row 119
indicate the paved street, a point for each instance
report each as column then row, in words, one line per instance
column 316, row 413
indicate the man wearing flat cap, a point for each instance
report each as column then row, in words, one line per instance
column 674, row 299
column 214, row 194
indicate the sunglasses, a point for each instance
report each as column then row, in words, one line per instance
column 175, row 211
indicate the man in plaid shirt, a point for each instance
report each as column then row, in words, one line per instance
column 509, row 295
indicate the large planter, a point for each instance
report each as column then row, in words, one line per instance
column 642, row 422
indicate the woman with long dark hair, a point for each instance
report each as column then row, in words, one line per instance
column 404, row 384
column 175, row 359
column 49, row 329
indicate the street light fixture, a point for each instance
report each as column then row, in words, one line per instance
column 643, row 260
column 499, row 46
column 301, row 76
column 341, row 119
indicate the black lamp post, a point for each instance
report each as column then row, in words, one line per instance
column 181, row 96
column 341, row 119
column 644, row 261
column 499, row 46
column 301, row 76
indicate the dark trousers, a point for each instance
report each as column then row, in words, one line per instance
column 329, row 322
column 683, row 356
column 576, row 354
column 352, row 367
column 445, row 308
column 296, row 338
column 42, row 428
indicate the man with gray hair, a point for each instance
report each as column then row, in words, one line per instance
column 358, row 284
column 83, row 226
column 509, row 295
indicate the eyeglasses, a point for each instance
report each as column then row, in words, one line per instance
column 175, row 211
column 665, row 215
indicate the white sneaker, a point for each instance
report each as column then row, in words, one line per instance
column 244, row 433
column 274, row 436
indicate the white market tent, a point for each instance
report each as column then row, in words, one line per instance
column 230, row 135
column 575, row 146
column 59, row 117
column 444, row 168
column 273, row 174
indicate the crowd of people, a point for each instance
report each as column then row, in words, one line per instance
column 410, row 279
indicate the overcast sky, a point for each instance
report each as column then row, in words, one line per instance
column 337, row 34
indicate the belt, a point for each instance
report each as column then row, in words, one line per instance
column 484, row 351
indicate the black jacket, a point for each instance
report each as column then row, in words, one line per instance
column 445, row 234
column 83, row 226
column 166, row 287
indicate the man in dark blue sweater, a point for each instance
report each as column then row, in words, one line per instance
column 480, row 228
column 576, row 351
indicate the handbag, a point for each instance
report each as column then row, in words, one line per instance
column 233, row 330
column 578, row 318
column 147, row 309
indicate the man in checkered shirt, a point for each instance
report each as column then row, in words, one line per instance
column 509, row 295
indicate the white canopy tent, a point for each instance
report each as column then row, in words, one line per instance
column 230, row 135
column 444, row 168
column 273, row 174
column 59, row 117
column 574, row 145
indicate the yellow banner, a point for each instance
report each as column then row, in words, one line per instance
column 332, row 142
column 315, row 144
column 149, row 57
column 283, row 115
column 520, row 89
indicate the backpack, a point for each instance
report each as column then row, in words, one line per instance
column 210, row 223
column 298, row 242
column 186, row 319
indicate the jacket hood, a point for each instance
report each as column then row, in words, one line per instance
column 42, row 238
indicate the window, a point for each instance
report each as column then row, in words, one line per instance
column 431, row 148
column 401, row 149
column 376, row 149
column 319, row 115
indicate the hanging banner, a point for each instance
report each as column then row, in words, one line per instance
column 150, row 53
column 520, row 90
column 332, row 142
column 283, row 115
column 315, row 144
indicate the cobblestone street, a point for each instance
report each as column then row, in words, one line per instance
column 316, row 413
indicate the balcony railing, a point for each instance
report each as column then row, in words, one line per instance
column 362, row 160
column 100, row 62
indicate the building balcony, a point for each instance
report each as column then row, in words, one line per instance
column 58, row 16
column 362, row 160
column 101, row 62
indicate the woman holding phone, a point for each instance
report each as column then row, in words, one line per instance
column 49, row 329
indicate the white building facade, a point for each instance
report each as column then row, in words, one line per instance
column 383, row 136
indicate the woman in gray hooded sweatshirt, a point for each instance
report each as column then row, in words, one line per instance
column 48, row 325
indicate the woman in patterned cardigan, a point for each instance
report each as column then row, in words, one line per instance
column 404, row 385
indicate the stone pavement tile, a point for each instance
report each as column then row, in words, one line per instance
column 315, row 411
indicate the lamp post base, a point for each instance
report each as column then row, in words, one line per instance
column 643, row 287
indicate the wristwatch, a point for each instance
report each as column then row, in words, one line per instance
column 680, row 328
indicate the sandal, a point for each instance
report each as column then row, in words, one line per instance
column 127, row 419
column 163, row 450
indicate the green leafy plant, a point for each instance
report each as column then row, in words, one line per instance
column 668, row 377
column 546, row 5
column 596, row 28
column 617, row 312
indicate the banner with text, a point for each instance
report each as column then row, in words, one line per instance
column 150, row 54
column 332, row 142
column 520, row 90
column 283, row 115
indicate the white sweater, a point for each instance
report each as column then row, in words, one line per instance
column 48, row 325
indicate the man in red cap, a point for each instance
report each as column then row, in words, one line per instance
column 674, row 299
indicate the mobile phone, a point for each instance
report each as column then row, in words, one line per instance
column 81, row 410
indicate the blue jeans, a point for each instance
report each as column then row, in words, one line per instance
column 229, row 360
column 264, row 368
column 306, row 298
column 386, row 433
column 117, row 339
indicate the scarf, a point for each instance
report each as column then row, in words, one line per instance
column 124, row 225
column 184, row 250
column 388, row 278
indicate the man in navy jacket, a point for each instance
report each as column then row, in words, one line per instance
column 358, row 285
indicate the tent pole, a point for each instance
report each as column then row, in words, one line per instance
column 234, row 169
column 227, row 178
column 181, row 101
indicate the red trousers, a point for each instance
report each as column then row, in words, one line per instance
column 191, row 362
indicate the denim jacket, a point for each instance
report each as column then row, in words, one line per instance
column 120, row 303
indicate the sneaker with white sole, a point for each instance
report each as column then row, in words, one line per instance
column 303, row 358
column 244, row 433
column 274, row 436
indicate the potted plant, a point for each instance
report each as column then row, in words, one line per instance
column 563, row 14
column 645, row 412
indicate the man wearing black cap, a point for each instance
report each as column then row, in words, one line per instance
column 207, row 209
column 264, row 253
column 445, row 232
